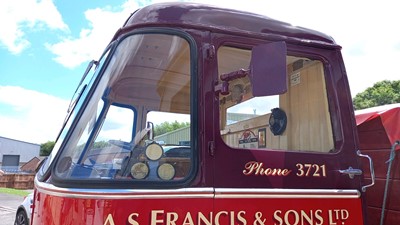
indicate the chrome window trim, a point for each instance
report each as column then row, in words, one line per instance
column 195, row 192
column 81, row 193
column 284, row 193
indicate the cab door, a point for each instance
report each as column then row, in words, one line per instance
column 287, row 158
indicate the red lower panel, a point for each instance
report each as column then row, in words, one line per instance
column 75, row 211
column 290, row 211
column 197, row 211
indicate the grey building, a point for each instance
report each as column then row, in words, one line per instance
column 14, row 153
column 178, row 137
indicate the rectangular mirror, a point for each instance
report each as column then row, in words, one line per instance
column 268, row 69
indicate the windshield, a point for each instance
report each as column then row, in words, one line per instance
column 76, row 103
column 139, row 109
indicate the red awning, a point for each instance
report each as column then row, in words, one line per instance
column 382, row 118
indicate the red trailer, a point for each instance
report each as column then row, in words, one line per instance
column 379, row 135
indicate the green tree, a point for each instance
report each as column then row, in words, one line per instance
column 100, row 144
column 46, row 148
column 168, row 127
column 381, row 93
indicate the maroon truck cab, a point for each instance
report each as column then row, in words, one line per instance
column 203, row 115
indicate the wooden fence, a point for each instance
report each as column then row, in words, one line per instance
column 17, row 181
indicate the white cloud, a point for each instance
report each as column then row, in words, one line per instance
column 103, row 23
column 33, row 117
column 18, row 16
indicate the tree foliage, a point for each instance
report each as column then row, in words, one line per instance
column 46, row 148
column 166, row 127
column 381, row 93
column 100, row 144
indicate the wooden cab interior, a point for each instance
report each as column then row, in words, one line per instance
column 308, row 125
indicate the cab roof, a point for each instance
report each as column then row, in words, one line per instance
column 191, row 15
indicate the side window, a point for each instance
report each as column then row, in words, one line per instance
column 298, row 120
column 172, row 132
column 111, row 144
column 118, row 124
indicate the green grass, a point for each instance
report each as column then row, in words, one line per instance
column 13, row 191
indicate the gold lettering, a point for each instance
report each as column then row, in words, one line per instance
column 172, row 217
column 331, row 218
column 257, row 168
column 277, row 217
column 154, row 220
column 241, row 218
column 232, row 217
column 345, row 214
column 188, row 219
column 301, row 217
column 131, row 219
column 216, row 219
column 109, row 220
column 249, row 168
column 204, row 219
column 319, row 218
column 308, row 217
column 295, row 215
column 286, row 172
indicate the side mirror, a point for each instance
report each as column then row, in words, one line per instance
column 268, row 73
column 150, row 127
column 40, row 164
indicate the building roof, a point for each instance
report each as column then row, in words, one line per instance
column 18, row 141
column 31, row 165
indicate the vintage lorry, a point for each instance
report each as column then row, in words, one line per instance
column 272, row 136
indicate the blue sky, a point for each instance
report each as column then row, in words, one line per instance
column 45, row 47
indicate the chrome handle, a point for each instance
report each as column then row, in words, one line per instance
column 371, row 168
column 351, row 172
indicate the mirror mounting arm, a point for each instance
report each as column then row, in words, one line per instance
column 150, row 127
column 223, row 88
column 235, row 75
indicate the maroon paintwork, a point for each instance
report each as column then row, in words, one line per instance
column 220, row 166
column 211, row 25
column 189, row 15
